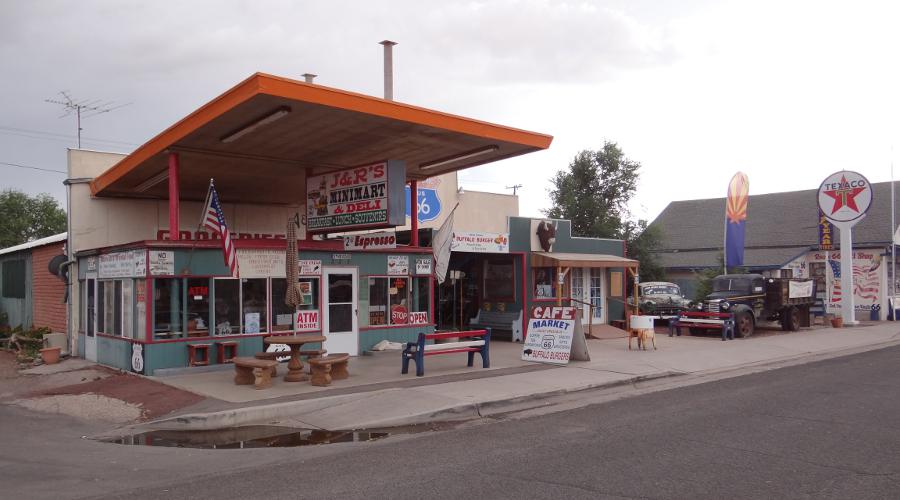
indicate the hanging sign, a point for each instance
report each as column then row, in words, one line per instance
column 162, row 262
column 423, row 266
column 261, row 263
column 480, row 242
column 398, row 265
column 373, row 241
column 429, row 203
column 826, row 232
column 307, row 320
column 311, row 267
column 130, row 264
column 356, row 198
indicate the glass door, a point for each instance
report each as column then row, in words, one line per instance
column 90, row 315
column 340, row 325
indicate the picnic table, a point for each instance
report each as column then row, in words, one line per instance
column 294, row 342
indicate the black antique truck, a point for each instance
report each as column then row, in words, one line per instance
column 750, row 299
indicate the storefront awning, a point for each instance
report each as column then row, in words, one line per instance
column 544, row 259
column 261, row 139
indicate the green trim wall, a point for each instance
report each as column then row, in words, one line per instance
column 520, row 241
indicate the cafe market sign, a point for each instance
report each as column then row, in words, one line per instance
column 358, row 198
column 555, row 335
column 480, row 242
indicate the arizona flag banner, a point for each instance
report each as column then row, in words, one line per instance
column 214, row 219
column 735, row 216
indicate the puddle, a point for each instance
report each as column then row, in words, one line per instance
column 260, row 436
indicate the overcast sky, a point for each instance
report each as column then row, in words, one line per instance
column 694, row 90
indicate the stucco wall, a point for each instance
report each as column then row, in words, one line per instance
column 48, row 290
column 485, row 212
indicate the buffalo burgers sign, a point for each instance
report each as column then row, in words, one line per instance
column 363, row 197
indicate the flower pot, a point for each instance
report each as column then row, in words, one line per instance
column 837, row 322
column 50, row 355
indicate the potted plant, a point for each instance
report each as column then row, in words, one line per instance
column 50, row 355
column 837, row 321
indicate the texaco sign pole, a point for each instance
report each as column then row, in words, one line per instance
column 844, row 197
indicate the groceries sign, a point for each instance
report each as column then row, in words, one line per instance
column 364, row 197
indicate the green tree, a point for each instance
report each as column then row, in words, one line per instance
column 25, row 218
column 594, row 193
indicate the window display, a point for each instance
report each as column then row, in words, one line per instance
column 544, row 282
column 253, row 305
column 226, row 310
column 167, row 308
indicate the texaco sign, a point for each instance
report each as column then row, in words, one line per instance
column 845, row 196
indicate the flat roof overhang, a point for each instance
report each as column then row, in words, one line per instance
column 324, row 130
column 546, row 259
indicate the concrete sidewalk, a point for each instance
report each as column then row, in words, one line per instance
column 378, row 396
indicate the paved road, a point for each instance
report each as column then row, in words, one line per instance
column 824, row 430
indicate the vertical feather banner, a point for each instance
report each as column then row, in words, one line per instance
column 736, row 205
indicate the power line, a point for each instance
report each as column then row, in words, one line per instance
column 17, row 165
column 24, row 132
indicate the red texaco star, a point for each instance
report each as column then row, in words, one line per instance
column 844, row 195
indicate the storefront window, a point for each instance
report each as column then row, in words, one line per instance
column 389, row 301
column 499, row 280
column 282, row 314
column 378, row 301
column 140, row 309
column 168, row 307
column 578, row 283
column 127, row 291
column 110, row 304
column 101, row 307
column 544, row 282
column 253, row 305
column 198, row 307
column 309, row 305
column 420, row 298
column 226, row 309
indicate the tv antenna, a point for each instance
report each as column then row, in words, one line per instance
column 88, row 107
column 514, row 187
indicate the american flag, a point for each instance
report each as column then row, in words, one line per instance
column 865, row 282
column 836, row 287
column 214, row 219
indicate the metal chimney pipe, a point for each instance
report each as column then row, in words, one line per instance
column 388, row 69
column 308, row 77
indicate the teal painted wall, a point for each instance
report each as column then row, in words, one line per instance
column 175, row 354
column 114, row 352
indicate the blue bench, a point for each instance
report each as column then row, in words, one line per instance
column 480, row 342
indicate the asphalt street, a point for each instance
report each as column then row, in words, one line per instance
column 829, row 429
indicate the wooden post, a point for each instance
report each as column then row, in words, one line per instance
column 174, row 229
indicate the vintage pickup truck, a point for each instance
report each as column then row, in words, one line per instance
column 752, row 298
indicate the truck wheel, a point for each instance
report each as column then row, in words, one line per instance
column 792, row 319
column 743, row 324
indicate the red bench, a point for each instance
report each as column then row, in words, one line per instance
column 478, row 341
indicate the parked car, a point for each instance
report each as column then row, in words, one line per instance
column 661, row 298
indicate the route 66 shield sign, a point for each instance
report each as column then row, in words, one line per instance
column 429, row 204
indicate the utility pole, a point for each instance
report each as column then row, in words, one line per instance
column 514, row 187
column 90, row 108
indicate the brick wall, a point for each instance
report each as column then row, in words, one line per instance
column 48, row 291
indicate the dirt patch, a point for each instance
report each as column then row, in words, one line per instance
column 86, row 406
column 153, row 398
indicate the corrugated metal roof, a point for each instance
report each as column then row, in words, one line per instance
column 56, row 238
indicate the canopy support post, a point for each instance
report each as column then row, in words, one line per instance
column 174, row 229
column 413, row 213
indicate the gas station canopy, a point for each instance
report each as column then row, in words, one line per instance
column 261, row 139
